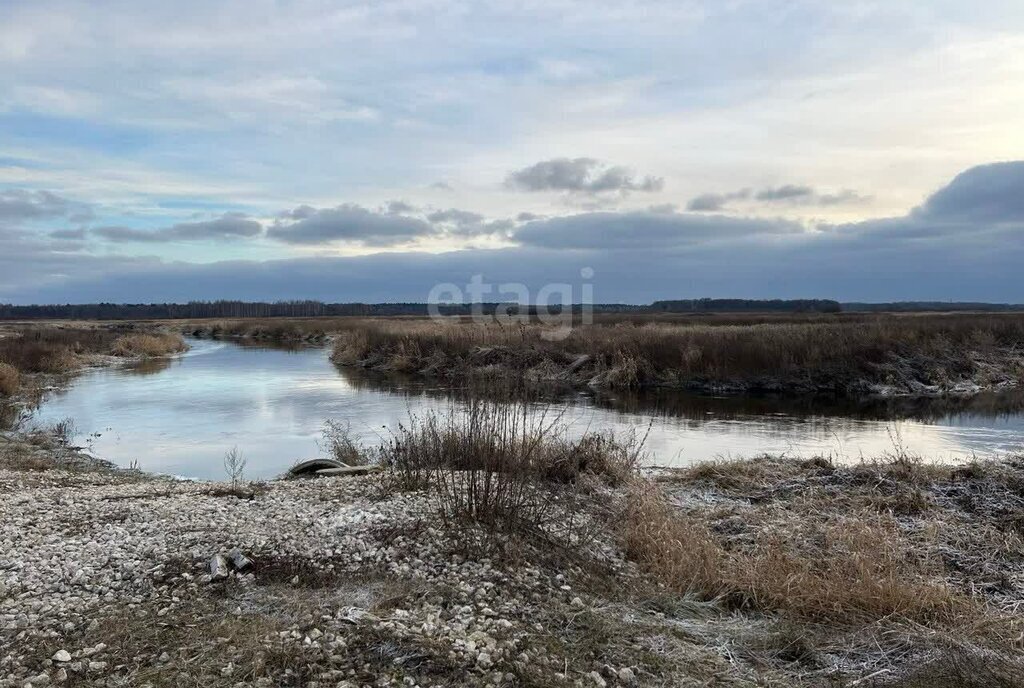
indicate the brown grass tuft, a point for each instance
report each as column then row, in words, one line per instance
column 10, row 380
column 855, row 569
column 148, row 345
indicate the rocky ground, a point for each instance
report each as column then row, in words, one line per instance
column 105, row 580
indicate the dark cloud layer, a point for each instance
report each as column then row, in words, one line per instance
column 963, row 243
column 228, row 226
column 988, row 193
column 644, row 230
column 788, row 193
column 348, row 222
column 580, row 175
column 20, row 205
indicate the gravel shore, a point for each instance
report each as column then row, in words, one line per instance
column 105, row 581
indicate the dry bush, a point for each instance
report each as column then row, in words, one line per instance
column 234, row 468
column 10, row 380
column 337, row 441
column 503, row 464
column 147, row 345
column 273, row 329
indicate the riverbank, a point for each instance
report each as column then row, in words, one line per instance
column 884, row 356
column 34, row 357
column 761, row 572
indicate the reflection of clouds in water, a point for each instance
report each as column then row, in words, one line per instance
column 271, row 403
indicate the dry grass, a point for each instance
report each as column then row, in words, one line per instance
column 60, row 349
column 273, row 329
column 148, row 345
column 680, row 551
column 10, row 380
column 821, row 544
column 819, row 353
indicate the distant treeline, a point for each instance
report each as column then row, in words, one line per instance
column 932, row 306
column 747, row 306
column 310, row 309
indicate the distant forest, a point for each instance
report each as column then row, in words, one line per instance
column 310, row 309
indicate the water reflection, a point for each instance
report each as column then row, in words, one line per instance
column 181, row 415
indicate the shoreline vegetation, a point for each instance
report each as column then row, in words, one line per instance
column 29, row 354
column 880, row 356
column 841, row 355
column 493, row 550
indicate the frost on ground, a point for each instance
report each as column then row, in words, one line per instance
column 105, row 581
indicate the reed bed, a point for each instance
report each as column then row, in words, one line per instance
column 814, row 355
column 58, row 350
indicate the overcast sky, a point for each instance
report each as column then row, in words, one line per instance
column 366, row 151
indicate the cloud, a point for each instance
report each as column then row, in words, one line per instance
column 348, row 222
column 962, row 243
column 20, row 205
column 713, row 202
column 399, row 208
column 788, row 193
column 987, row 193
column 456, row 217
column 228, row 226
column 580, row 175
column 645, row 230
column 784, row 193
column 69, row 234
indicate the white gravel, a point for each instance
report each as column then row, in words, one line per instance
column 82, row 547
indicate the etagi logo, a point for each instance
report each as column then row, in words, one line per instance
column 557, row 304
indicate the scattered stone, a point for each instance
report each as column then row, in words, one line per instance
column 62, row 656
column 239, row 560
column 218, row 567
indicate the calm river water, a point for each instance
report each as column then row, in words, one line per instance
column 180, row 416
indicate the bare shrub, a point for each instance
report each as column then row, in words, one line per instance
column 336, row 440
column 504, row 464
column 234, row 467
column 52, row 349
column 63, row 431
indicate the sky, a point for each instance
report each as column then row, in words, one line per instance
column 372, row 151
